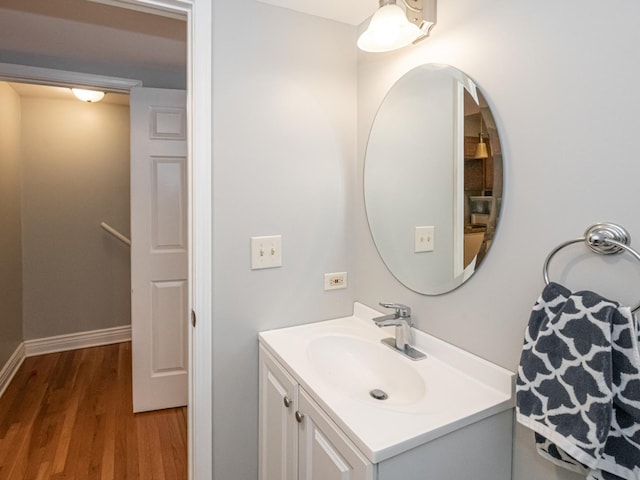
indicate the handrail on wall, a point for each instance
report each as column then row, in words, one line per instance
column 115, row 233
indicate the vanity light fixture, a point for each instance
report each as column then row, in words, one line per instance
column 481, row 148
column 392, row 28
column 90, row 96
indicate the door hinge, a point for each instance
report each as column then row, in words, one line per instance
column 193, row 318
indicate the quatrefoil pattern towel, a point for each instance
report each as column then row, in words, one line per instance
column 578, row 384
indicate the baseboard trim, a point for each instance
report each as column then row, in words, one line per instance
column 74, row 341
column 60, row 343
column 11, row 367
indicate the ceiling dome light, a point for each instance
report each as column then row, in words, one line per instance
column 90, row 96
column 388, row 30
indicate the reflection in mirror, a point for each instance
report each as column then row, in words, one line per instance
column 433, row 179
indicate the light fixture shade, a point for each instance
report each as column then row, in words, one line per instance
column 481, row 150
column 388, row 30
column 91, row 96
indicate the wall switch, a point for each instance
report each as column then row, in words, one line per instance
column 333, row 281
column 424, row 239
column 266, row 252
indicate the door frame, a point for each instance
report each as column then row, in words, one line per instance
column 198, row 15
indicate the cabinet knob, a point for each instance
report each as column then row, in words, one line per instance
column 299, row 416
column 287, row 401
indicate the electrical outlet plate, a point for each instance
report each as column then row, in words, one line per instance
column 266, row 252
column 333, row 281
column 424, row 239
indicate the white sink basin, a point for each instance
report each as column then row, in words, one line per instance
column 340, row 361
column 358, row 366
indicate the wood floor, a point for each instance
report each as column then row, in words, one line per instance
column 68, row 416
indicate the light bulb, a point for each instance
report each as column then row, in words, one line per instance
column 388, row 30
column 90, row 96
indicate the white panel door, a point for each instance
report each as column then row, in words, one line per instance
column 159, row 248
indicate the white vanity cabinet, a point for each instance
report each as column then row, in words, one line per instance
column 446, row 417
column 298, row 441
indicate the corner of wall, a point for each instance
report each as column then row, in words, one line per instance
column 11, row 334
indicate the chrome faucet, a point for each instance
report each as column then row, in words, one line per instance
column 401, row 319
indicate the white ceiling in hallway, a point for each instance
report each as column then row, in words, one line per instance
column 83, row 31
column 353, row 12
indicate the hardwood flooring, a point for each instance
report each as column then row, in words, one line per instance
column 68, row 416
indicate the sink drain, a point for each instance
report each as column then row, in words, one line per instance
column 378, row 394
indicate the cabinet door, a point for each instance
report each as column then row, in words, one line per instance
column 325, row 453
column 278, row 429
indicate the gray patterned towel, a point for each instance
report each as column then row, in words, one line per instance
column 578, row 384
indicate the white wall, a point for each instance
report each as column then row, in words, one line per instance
column 75, row 160
column 10, row 224
column 284, row 163
column 560, row 78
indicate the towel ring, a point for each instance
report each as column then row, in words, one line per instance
column 602, row 238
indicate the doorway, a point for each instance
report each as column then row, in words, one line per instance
column 198, row 15
column 75, row 166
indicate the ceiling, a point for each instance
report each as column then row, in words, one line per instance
column 81, row 31
column 70, row 32
column 87, row 32
column 353, row 12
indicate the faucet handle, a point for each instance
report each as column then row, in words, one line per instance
column 402, row 311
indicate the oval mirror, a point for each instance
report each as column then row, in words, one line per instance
column 433, row 179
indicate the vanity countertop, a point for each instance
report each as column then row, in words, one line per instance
column 429, row 398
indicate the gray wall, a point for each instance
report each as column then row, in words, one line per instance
column 284, row 163
column 10, row 224
column 560, row 79
column 75, row 159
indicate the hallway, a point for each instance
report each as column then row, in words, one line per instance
column 69, row 416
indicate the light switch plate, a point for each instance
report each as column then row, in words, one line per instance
column 424, row 239
column 266, row 252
